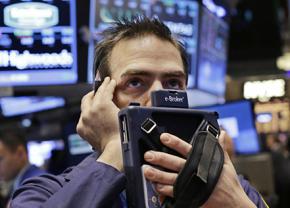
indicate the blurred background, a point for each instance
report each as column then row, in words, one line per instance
column 239, row 54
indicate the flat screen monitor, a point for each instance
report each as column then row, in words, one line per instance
column 181, row 16
column 78, row 146
column 40, row 151
column 17, row 106
column 212, row 54
column 237, row 119
column 37, row 42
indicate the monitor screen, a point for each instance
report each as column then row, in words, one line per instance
column 37, row 42
column 212, row 57
column 237, row 119
column 40, row 151
column 78, row 146
column 16, row 106
column 181, row 16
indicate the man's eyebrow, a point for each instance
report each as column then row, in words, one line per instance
column 135, row 72
column 179, row 74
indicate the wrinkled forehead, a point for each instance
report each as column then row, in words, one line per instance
column 148, row 52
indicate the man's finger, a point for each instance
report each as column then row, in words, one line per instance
column 166, row 190
column 175, row 143
column 159, row 176
column 87, row 100
column 164, row 160
column 103, row 87
column 221, row 139
column 110, row 89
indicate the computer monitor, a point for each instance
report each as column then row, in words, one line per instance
column 104, row 12
column 212, row 53
column 17, row 106
column 37, row 42
column 40, row 151
column 237, row 119
column 78, row 146
column 181, row 16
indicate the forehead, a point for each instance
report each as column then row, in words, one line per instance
column 147, row 53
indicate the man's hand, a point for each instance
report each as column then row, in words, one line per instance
column 165, row 180
column 228, row 191
column 98, row 123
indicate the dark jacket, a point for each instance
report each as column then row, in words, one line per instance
column 89, row 185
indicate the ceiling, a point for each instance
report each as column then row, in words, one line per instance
column 256, row 37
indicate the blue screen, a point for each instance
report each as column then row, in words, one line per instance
column 238, row 121
column 37, row 42
column 40, row 151
column 212, row 57
column 16, row 106
column 181, row 16
column 78, row 146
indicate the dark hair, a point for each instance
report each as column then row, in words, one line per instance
column 127, row 29
column 12, row 139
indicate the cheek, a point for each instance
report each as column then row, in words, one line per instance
column 123, row 100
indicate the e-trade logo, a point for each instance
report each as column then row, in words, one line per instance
column 174, row 99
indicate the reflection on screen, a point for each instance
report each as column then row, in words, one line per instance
column 78, row 146
column 181, row 16
column 238, row 121
column 37, row 42
column 212, row 54
column 40, row 151
column 15, row 106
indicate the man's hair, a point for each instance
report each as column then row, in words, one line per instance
column 13, row 139
column 128, row 29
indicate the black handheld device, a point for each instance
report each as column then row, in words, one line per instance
column 140, row 129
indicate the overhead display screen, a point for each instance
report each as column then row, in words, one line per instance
column 181, row 16
column 212, row 59
column 37, row 42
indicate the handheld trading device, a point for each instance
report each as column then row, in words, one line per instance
column 140, row 129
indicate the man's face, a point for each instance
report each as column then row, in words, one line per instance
column 9, row 162
column 143, row 65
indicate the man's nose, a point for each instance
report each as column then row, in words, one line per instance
column 157, row 85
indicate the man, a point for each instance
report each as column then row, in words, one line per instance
column 14, row 163
column 134, row 58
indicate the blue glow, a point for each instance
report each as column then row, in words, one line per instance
column 40, row 151
column 238, row 121
column 45, row 52
column 181, row 16
column 15, row 106
column 216, row 9
column 264, row 117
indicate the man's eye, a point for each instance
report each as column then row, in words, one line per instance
column 174, row 84
column 134, row 83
